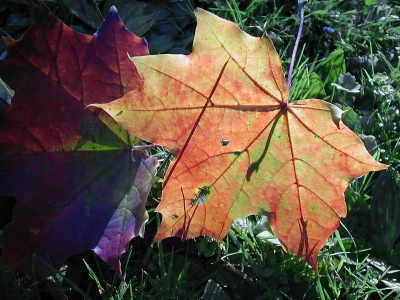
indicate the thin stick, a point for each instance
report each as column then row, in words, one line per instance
column 97, row 10
column 145, row 146
column 300, row 4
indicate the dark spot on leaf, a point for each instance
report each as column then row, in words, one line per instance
column 224, row 141
column 174, row 216
column 119, row 113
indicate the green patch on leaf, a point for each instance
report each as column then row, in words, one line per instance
column 202, row 195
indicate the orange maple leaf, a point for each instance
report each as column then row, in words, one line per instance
column 241, row 148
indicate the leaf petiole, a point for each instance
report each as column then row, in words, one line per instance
column 300, row 4
column 141, row 148
column 145, row 147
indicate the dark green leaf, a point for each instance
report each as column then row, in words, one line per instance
column 316, row 87
column 369, row 142
column 138, row 17
column 351, row 119
column 332, row 67
column 214, row 292
column 87, row 11
column 385, row 212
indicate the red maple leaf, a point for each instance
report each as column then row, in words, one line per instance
column 77, row 183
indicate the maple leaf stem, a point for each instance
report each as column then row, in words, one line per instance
column 141, row 148
column 301, row 4
column 146, row 146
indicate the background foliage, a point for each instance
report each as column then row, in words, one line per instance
column 349, row 55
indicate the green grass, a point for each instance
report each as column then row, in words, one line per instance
column 250, row 263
